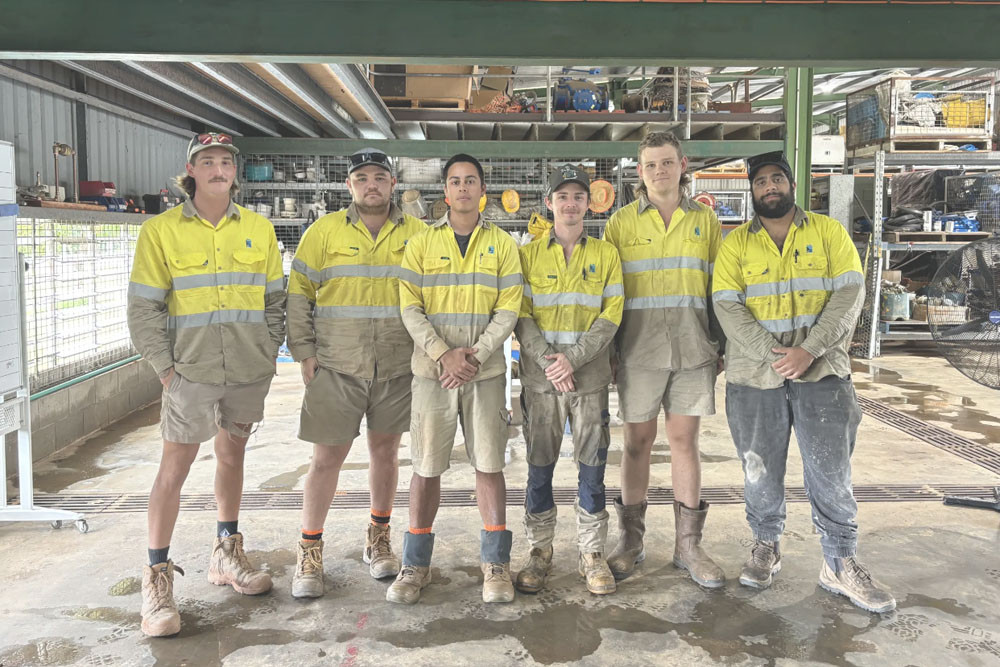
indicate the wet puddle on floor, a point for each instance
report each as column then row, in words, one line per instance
column 927, row 402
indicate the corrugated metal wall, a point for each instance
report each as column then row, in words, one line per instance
column 138, row 158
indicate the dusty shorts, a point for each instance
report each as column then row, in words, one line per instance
column 334, row 404
column 192, row 412
column 544, row 419
column 641, row 392
column 481, row 407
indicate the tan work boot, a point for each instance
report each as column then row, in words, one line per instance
column 378, row 552
column 230, row 567
column 497, row 586
column 307, row 582
column 763, row 564
column 160, row 617
column 631, row 528
column 531, row 578
column 854, row 582
column 688, row 554
column 595, row 570
column 409, row 582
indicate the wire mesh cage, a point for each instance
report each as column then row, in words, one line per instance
column 922, row 114
column 76, row 284
column 977, row 195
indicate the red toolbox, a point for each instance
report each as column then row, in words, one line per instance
column 98, row 189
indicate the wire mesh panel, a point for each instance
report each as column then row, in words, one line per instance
column 976, row 194
column 75, row 291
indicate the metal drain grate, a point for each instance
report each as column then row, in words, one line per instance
column 123, row 503
column 973, row 452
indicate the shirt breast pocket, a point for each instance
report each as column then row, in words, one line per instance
column 249, row 260
column 811, row 264
column 338, row 254
column 755, row 273
column 183, row 263
column 637, row 249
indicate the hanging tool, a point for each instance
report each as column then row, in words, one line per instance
column 984, row 503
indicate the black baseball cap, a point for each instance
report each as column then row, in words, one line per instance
column 568, row 174
column 367, row 156
column 776, row 158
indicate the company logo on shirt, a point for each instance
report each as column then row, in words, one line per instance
column 249, row 244
column 593, row 268
column 809, row 248
column 490, row 250
column 697, row 231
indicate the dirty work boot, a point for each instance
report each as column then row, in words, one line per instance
column 307, row 582
column 688, row 554
column 533, row 574
column 378, row 552
column 763, row 564
column 595, row 570
column 631, row 528
column 230, row 567
column 494, row 551
column 853, row 581
column 160, row 617
column 416, row 570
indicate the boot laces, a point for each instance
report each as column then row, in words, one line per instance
column 495, row 571
column 857, row 571
column 408, row 572
column 311, row 561
column 762, row 553
column 381, row 546
column 163, row 589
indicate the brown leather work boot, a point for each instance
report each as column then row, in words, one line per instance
column 160, row 617
column 230, row 567
column 631, row 528
column 853, row 581
column 600, row 580
column 378, row 552
column 307, row 582
column 688, row 554
column 531, row 578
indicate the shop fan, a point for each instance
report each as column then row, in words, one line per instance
column 966, row 327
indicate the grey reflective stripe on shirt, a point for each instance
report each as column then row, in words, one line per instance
column 663, row 263
column 509, row 281
column 780, row 287
column 360, row 271
column 215, row 317
column 527, row 290
column 275, row 286
column 562, row 337
column 411, row 277
column 673, row 301
column 460, row 319
column 358, row 312
column 567, row 299
column 147, row 292
column 729, row 295
column 219, row 280
column 301, row 267
column 457, row 279
column 614, row 290
column 848, row 278
column 783, row 326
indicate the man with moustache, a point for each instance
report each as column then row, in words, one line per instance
column 206, row 308
column 666, row 351
column 345, row 329
column 571, row 309
column 460, row 292
column 788, row 289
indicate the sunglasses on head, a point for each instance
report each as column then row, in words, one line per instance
column 358, row 159
column 207, row 138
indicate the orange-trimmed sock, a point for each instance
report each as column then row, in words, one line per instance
column 380, row 517
column 494, row 529
column 312, row 534
column 421, row 531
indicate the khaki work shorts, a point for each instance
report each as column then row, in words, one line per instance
column 641, row 392
column 545, row 417
column 481, row 407
column 192, row 412
column 334, row 404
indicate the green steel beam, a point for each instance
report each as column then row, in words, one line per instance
column 798, row 129
column 817, row 99
column 496, row 149
column 469, row 32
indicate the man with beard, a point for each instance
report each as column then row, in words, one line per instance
column 460, row 293
column 345, row 329
column 206, row 309
column 788, row 289
column 667, row 351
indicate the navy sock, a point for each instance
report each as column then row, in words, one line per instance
column 226, row 528
column 157, row 556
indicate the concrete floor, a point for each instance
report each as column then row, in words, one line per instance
column 73, row 599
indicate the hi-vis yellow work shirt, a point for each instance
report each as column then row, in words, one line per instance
column 451, row 301
column 208, row 300
column 809, row 294
column 667, row 273
column 574, row 308
column 343, row 295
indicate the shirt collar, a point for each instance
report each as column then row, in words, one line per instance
column 552, row 239
column 444, row 220
column 395, row 214
column 798, row 219
column 685, row 204
column 189, row 211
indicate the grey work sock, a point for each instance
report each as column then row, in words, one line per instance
column 226, row 528
column 157, row 556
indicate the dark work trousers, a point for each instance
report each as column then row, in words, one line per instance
column 825, row 416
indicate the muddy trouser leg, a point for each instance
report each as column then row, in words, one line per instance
column 826, row 417
column 544, row 416
column 760, row 423
column 590, row 421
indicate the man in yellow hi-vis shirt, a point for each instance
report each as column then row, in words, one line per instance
column 571, row 309
column 460, row 292
column 206, row 308
column 667, row 351
column 344, row 326
column 788, row 289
